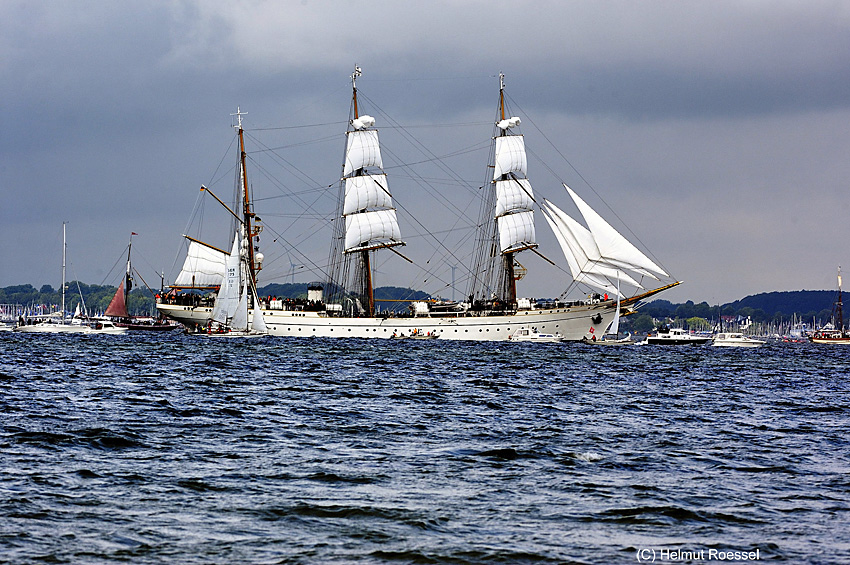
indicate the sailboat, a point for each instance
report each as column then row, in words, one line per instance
column 344, row 305
column 59, row 324
column 838, row 334
column 117, row 309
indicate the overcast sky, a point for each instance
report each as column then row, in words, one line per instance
column 716, row 134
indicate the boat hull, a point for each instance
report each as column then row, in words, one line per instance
column 676, row 341
column 831, row 341
column 573, row 323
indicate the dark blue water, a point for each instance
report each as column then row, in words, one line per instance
column 175, row 449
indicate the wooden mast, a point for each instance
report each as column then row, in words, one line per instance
column 508, row 258
column 364, row 254
column 247, row 215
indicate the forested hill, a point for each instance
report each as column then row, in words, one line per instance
column 778, row 306
column 798, row 301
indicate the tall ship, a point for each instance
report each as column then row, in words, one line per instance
column 366, row 226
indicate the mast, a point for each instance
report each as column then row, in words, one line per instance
column 365, row 263
column 508, row 261
column 64, row 249
column 247, row 215
column 514, row 202
column 838, row 304
column 128, row 278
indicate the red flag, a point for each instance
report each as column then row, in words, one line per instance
column 133, row 233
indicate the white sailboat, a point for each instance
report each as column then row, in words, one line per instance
column 344, row 304
column 230, row 316
column 57, row 322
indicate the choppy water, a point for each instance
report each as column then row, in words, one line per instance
column 174, row 449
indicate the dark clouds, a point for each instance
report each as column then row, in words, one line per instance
column 717, row 131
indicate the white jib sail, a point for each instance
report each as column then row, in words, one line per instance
column 615, row 323
column 513, row 195
column 203, row 266
column 227, row 299
column 258, row 323
column 367, row 191
column 516, row 231
column 595, row 274
column 613, row 246
column 370, row 229
column 240, row 317
column 510, row 156
column 363, row 150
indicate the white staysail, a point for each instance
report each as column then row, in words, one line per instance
column 516, row 231
column 258, row 323
column 513, row 195
column 613, row 247
column 239, row 322
column 203, row 266
column 577, row 244
column 510, row 156
column 615, row 324
column 378, row 228
column 227, row 299
column 366, row 191
column 363, row 150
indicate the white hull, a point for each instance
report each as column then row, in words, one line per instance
column 69, row 329
column 573, row 323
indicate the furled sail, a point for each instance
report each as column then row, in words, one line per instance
column 203, row 267
column 613, row 247
column 227, row 299
column 373, row 229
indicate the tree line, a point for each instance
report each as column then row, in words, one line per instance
column 769, row 307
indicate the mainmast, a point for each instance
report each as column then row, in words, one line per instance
column 365, row 262
column 370, row 221
column 250, row 232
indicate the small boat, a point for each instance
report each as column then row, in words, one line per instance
column 531, row 334
column 56, row 321
column 674, row 336
column 117, row 309
column 734, row 339
column 833, row 334
column 609, row 340
column 419, row 334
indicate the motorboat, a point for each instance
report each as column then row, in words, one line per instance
column 525, row 333
column 734, row 339
column 675, row 336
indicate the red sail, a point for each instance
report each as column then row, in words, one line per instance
column 118, row 307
